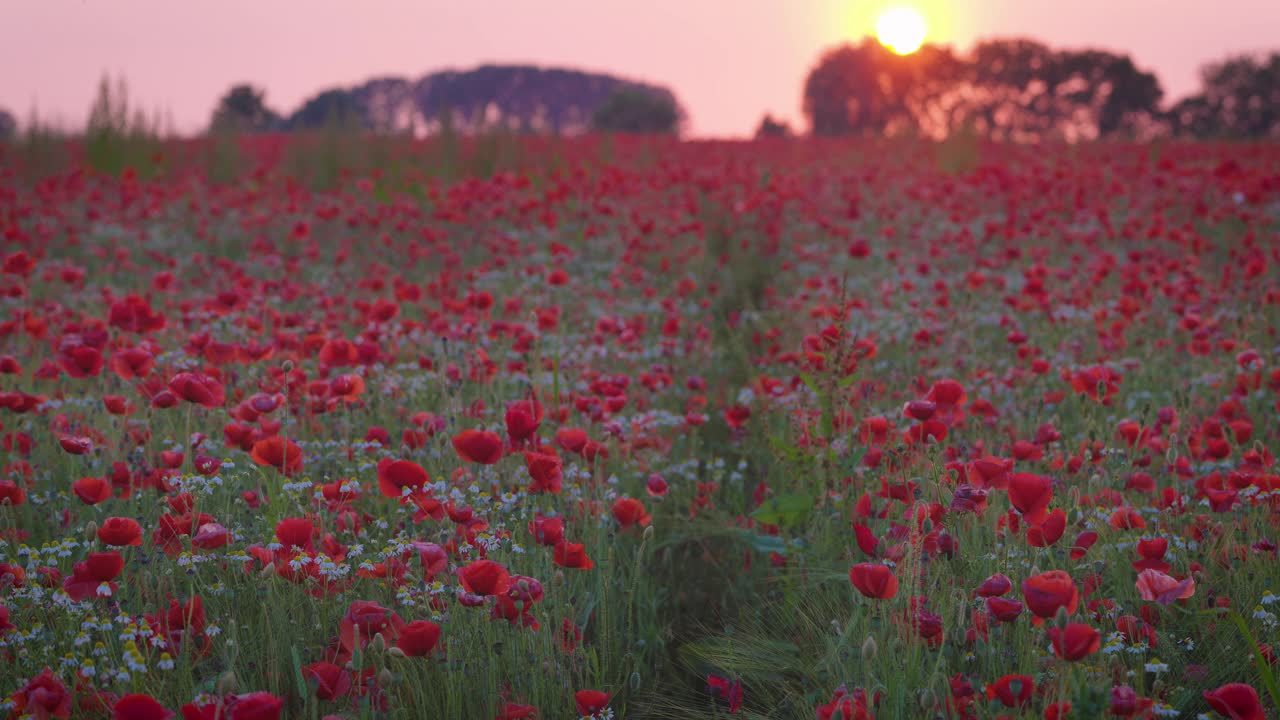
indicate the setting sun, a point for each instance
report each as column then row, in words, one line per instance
column 901, row 29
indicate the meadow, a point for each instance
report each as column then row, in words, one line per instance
column 507, row 428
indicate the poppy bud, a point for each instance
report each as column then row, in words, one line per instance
column 227, row 683
column 927, row 526
column 635, row 680
column 648, row 533
column 869, row 649
column 397, row 653
column 91, row 531
column 266, row 572
column 926, row 699
column 1061, row 618
column 287, row 366
column 378, row 644
column 385, row 677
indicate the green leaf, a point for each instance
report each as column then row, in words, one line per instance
column 764, row 543
column 812, row 384
column 783, row 509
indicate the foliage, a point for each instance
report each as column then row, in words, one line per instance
column 1005, row 89
column 8, row 125
column 335, row 110
column 118, row 136
column 1240, row 98
column 771, row 127
column 243, row 109
column 633, row 110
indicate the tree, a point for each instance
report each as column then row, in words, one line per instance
column 635, row 110
column 1012, row 89
column 1240, row 97
column 331, row 108
column 243, row 109
column 867, row 89
column 8, row 125
column 771, row 127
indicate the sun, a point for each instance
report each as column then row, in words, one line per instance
column 901, row 29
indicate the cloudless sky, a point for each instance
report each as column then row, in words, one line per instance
column 729, row 61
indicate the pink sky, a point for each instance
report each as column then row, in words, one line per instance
column 729, row 61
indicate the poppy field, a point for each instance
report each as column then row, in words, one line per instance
column 635, row 428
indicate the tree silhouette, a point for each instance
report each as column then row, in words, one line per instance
column 771, row 127
column 331, row 108
column 520, row 98
column 1009, row 89
column 8, row 125
column 243, row 109
column 634, row 110
column 1240, row 98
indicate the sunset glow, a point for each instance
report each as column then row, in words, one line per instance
column 901, row 29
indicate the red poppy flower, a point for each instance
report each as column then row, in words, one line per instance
column 545, row 470
column 998, row 584
column 1154, row 585
column 1012, row 690
column 478, row 446
column 11, row 493
column 254, row 706
column 198, row 389
column 363, row 620
column 523, row 419
column 44, row 696
column 516, row 711
column 418, row 638
column 104, row 566
column 1004, row 609
column 1049, row 530
column 132, row 363
column 547, row 531
column 211, row 535
column 296, row 532
column 139, row 707
column 74, row 445
column 91, row 490
column 484, row 577
column 629, row 512
column 590, row 702
column 1075, row 641
column 1237, row 701
column 730, row 690
column 1046, row 592
column 81, row 361
column 1084, row 541
column 331, row 681
column 874, row 580
column 396, row 475
column 846, row 705
column 572, row 555
column 277, row 452
column 1030, row 495
column 120, row 532
column 572, row 439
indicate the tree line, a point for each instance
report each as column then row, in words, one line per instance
column 1006, row 89
column 518, row 98
column 1020, row 89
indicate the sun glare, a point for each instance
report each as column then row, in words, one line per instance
column 901, row 29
